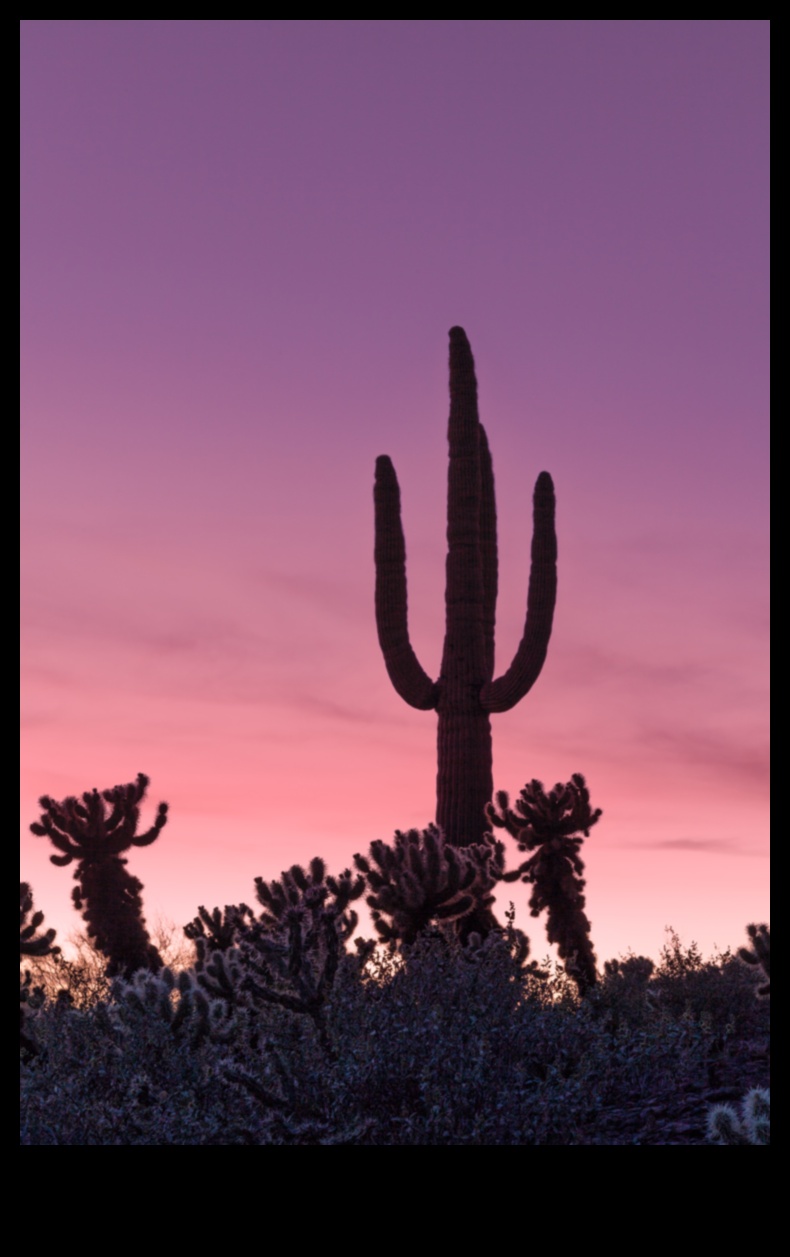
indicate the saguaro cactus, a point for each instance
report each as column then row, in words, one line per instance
column 465, row 694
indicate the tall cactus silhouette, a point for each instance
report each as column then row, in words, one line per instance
column 465, row 694
column 95, row 835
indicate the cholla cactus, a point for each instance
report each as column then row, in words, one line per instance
column 221, row 928
column 176, row 1001
column 759, row 954
column 552, row 825
column 289, row 956
column 422, row 878
column 30, row 942
column 312, row 890
column 751, row 1126
column 108, row 897
column 292, row 954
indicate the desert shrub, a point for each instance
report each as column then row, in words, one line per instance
column 720, row 990
column 100, row 1079
column 437, row 1043
column 751, row 1122
column 80, row 977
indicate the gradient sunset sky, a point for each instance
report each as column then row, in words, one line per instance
column 243, row 246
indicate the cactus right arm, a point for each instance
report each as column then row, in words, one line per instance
column 509, row 689
column 488, row 549
column 405, row 671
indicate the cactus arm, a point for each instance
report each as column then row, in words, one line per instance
column 488, row 550
column 463, row 661
column 405, row 671
column 507, row 690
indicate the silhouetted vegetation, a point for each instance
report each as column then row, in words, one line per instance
column 274, row 1029
column 32, row 946
column 108, row 897
column 421, row 879
column 293, row 1041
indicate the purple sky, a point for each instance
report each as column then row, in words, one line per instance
column 243, row 245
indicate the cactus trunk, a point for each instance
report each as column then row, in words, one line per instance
column 464, row 778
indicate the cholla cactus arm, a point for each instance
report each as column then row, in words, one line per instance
column 290, row 955
column 220, row 974
column 759, row 954
column 220, row 929
column 31, row 943
column 757, row 1115
column 297, row 975
column 725, row 1127
column 279, row 896
column 85, row 830
column 178, row 1003
column 541, row 814
column 314, row 888
column 751, row 1126
column 421, row 878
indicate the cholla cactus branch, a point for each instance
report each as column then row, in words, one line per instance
column 759, row 954
column 751, row 1126
column 94, row 835
column 83, row 830
column 31, row 943
column 287, row 957
column 422, row 879
column 465, row 693
column 539, row 816
column 312, row 890
column 220, row 929
column 296, row 972
column 177, row 1002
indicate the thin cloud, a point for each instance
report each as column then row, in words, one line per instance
column 331, row 596
column 712, row 846
column 586, row 665
column 729, row 756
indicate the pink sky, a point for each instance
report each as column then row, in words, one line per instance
column 243, row 245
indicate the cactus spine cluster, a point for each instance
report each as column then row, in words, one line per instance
column 32, row 944
column 95, row 835
column 290, row 954
column 759, row 955
column 751, row 1126
column 466, row 693
column 421, row 879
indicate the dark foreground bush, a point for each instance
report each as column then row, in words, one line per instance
column 437, row 1045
